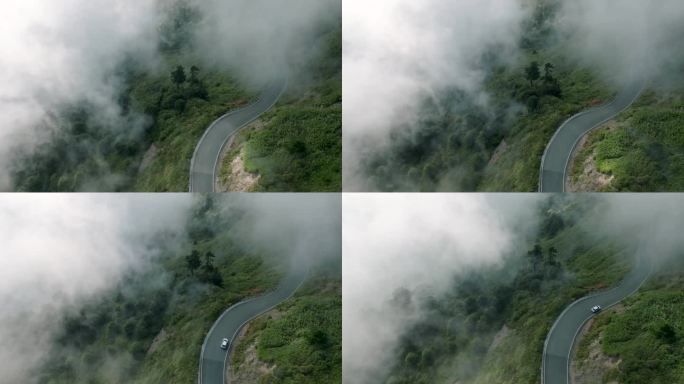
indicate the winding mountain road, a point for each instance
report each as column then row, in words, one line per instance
column 556, row 159
column 564, row 333
column 214, row 360
column 204, row 164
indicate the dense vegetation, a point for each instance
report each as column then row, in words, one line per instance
column 490, row 328
column 644, row 151
column 305, row 341
column 147, row 143
column 182, row 113
column 162, row 113
column 459, row 144
column 299, row 147
column 151, row 327
column 647, row 335
column 147, row 149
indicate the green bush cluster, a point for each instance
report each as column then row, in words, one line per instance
column 459, row 143
column 300, row 146
column 647, row 336
column 306, row 343
column 453, row 342
column 646, row 150
column 115, row 332
column 162, row 116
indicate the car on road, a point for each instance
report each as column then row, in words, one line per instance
column 596, row 309
column 224, row 344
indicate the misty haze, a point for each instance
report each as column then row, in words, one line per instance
column 171, row 95
column 146, row 290
column 493, row 288
column 519, row 95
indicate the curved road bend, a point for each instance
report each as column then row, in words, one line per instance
column 205, row 159
column 563, row 334
column 214, row 360
column 557, row 155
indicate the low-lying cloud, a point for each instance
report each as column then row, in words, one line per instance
column 62, row 53
column 401, row 251
column 418, row 243
column 305, row 228
column 260, row 39
column 653, row 218
column 61, row 250
column 56, row 53
column 398, row 52
column 625, row 39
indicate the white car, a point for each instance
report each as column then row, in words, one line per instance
column 596, row 309
column 224, row 344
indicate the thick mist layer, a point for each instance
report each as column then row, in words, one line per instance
column 415, row 244
column 61, row 250
column 63, row 53
column 655, row 218
column 626, row 39
column 304, row 228
column 260, row 39
column 401, row 251
column 55, row 53
column 397, row 52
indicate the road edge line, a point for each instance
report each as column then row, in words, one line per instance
column 243, row 126
column 567, row 308
column 574, row 146
column 230, row 347
column 226, row 115
column 579, row 330
column 575, row 116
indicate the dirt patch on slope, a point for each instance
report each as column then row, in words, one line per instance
column 498, row 152
column 160, row 338
column 239, row 179
column 148, row 158
column 500, row 337
column 251, row 369
column 233, row 176
column 593, row 368
column 591, row 179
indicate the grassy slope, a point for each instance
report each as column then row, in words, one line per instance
column 454, row 149
column 86, row 154
column 634, row 334
column 305, row 343
column 457, row 143
column 116, row 332
column 518, row 358
column 176, row 133
column 518, row 167
column 457, row 339
column 299, row 149
column 646, row 151
column 176, row 359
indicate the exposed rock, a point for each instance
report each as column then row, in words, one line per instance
column 498, row 152
column 149, row 157
column 160, row 338
column 591, row 179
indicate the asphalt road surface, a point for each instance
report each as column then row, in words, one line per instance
column 557, row 155
column 563, row 334
column 213, row 359
column 204, row 164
